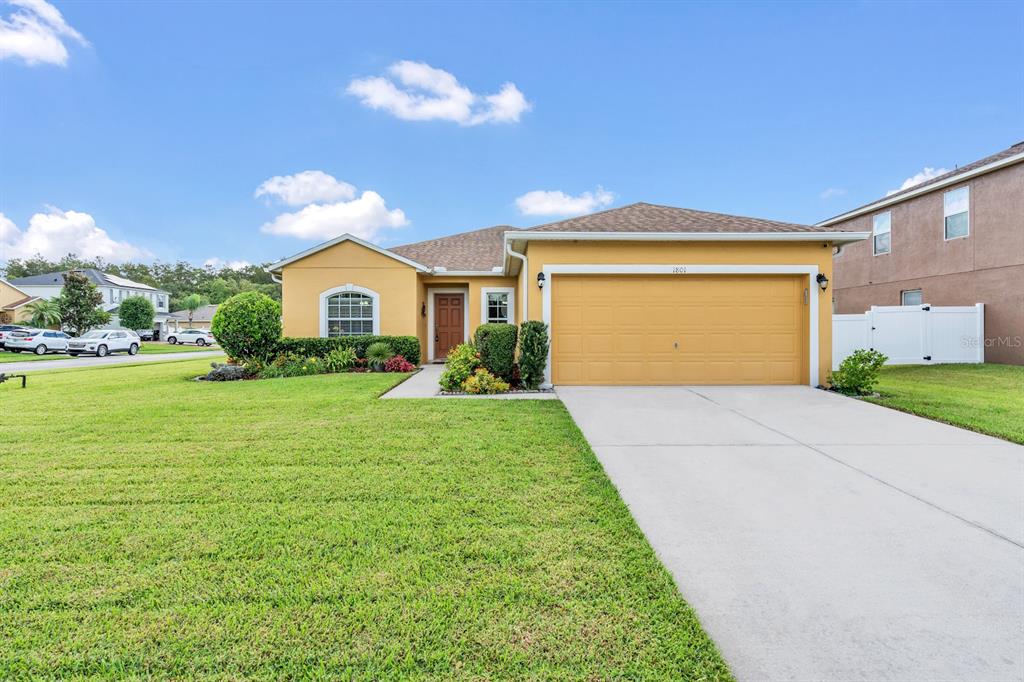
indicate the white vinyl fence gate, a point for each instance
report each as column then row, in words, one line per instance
column 913, row 334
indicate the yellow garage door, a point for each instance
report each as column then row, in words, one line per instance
column 665, row 329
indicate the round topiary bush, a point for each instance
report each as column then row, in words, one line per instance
column 248, row 326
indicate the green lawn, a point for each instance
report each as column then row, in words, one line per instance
column 301, row 528
column 987, row 398
column 148, row 348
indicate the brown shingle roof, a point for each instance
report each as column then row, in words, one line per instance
column 641, row 217
column 479, row 250
column 20, row 302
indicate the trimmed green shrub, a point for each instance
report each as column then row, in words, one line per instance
column 248, row 326
column 858, row 373
column 292, row 365
column 533, row 353
column 461, row 363
column 497, row 345
column 406, row 346
column 136, row 312
column 340, row 359
column 483, row 382
column 377, row 353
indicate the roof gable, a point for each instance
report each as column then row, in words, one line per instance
column 346, row 238
column 475, row 251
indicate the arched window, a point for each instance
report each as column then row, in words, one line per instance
column 350, row 313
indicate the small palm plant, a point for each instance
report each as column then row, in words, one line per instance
column 377, row 354
column 44, row 314
column 192, row 303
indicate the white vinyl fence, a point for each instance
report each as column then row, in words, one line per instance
column 913, row 334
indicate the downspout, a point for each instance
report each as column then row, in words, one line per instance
column 275, row 278
column 525, row 273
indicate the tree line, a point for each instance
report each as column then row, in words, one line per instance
column 180, row 279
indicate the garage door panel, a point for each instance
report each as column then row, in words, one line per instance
column 610, row 329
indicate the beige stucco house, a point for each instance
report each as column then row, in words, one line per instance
column 642, row 294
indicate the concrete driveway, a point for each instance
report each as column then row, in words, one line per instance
column 820, row 537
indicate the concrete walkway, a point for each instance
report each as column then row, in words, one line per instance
column 92, row 361
column 424, row 384
column 820, row 537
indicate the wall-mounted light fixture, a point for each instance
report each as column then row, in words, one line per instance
column 540, row 280
column 423, row 310
column 822, row 281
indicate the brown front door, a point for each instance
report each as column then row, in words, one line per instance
column 449, row 311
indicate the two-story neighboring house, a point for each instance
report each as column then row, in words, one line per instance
column 114, row 289
column 957, row 239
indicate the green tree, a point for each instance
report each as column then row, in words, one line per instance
column 78, row 302
column 137, row 312
column 43, row 314
column 192, row 303
column 248, row 326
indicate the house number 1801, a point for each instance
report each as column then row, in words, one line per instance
column 678, row 270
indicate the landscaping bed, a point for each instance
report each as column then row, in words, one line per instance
column 305, row 529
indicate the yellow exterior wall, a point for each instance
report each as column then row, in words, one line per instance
column 541, row 253
column 474, row 300
column 348, row 263
column 9, row 294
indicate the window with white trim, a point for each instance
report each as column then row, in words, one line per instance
column 955, row 205
column 911, row 297
column 349, row 313
column 881, row 229
column 497, row 306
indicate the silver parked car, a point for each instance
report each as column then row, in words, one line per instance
column 200, row 337
column 102, row 342
column 38, row 341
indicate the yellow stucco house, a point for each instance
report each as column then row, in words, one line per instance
column 13, row 303
column 642, row 294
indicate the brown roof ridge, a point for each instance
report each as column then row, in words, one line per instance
column 505, row 228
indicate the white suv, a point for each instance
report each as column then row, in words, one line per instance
column 102, row 342
column 38, row 341
column 200, row 337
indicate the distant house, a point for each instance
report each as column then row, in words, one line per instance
column 114, row 289
column 957, row 239
column 13, row 303
column 202, row 318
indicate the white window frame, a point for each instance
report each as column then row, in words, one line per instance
column 904, row 293
column 875, row 233
column 966, row 188
column 324, row 295
column 486, row 291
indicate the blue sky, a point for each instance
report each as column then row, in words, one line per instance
column 150, row 131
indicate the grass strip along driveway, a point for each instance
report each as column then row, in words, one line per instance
column 303, row 528
column 985, row 398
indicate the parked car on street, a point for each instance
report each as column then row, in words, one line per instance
column 38, row 341
column 200, row 337
column 6, row 329
column 101, row 342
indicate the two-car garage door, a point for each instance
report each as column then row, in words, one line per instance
column 663, row 329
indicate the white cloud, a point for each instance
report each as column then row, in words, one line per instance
column 423, row 93
column 220, row 264
column 832, row 192
column 305, row 188
column 33, row 32
column 57, row 233
column 927, row 174
column 364, row 217
column 541, row 202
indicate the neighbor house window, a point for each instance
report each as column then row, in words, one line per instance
column 911, row 297
column 882, row 231
column 349, row 314
column 498, row 305
column 955, row 204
